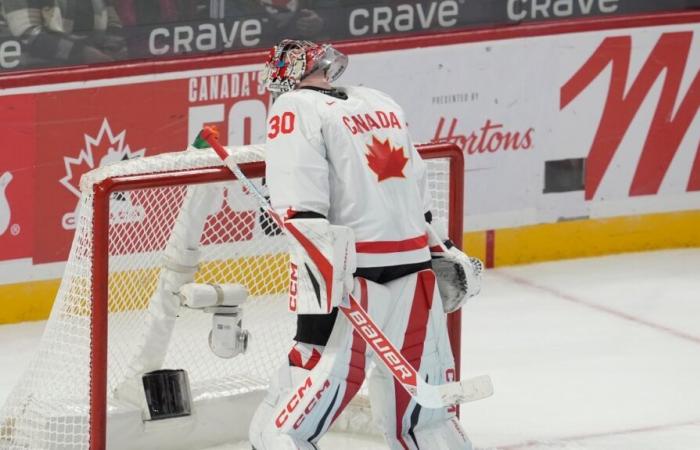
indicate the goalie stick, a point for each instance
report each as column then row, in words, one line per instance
column 424, row 393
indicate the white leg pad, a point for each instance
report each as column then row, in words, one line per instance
column 302, row 404
column 418, row 326
column 262, row 435
column 447, row 435
column 282, row 442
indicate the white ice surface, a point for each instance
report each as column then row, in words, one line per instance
column 588, row 354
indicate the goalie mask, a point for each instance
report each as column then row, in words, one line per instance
column 291, row 61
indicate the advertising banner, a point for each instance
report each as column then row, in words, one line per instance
column 591, row 124
column 17, row 175
column 555, row 128
column 65, row 34
column 50, row 139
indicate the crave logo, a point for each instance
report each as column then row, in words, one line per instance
column 101, row 150
column 626, row 93
column 408, row 16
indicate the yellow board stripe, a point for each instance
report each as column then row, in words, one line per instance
column 33, row 300
column 24, row 302
column 262, row 275
column 584, row 238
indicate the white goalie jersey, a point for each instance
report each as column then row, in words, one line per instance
column 352, row 161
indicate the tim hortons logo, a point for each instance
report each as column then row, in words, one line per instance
column 296, row 399
column 490, row 138
column 671, row 119
column 379, row 344
column 5, row 213
column 104, row 149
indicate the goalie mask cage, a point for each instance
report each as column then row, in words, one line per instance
column 142, row 224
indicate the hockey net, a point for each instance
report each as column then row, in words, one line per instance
column 115, row 314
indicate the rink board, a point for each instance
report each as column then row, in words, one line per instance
column 572, row 239
column 541, row 182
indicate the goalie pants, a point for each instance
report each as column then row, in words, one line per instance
column 301, row 408
column 316, row 329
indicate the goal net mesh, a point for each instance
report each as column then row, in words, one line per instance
column 150, row 229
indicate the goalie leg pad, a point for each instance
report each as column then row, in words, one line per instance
column 407, row 425
column 416, row 323
column 264, row 437
column 322, row 261
column 302, row 404
column 445, row 435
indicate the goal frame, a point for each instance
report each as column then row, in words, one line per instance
column 100, row 257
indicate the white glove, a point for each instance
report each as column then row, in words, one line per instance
column 458, row 275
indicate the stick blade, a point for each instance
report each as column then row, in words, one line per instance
column 476, row 388
column 448, row 394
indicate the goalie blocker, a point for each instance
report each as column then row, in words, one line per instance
column 322, row 261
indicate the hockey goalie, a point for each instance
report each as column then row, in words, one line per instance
column 352, row 190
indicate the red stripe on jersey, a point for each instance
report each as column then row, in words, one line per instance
column 406, row 245
column 323, row 265
column 356, row 370
column 414, row 341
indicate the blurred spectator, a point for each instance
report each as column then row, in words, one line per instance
column 139, row 16
column 297, row 19
column 150, row 12
column 4, row 30
column 69, row 31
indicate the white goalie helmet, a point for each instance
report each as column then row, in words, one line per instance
column 292, row 60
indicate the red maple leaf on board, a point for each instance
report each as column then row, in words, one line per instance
column 384, row 160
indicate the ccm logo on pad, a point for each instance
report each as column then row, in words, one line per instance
column 293, row 403
column 293, row 287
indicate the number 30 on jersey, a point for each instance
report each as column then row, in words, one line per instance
column 281, row 124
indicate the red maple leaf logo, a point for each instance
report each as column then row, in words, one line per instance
column 384, row 160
